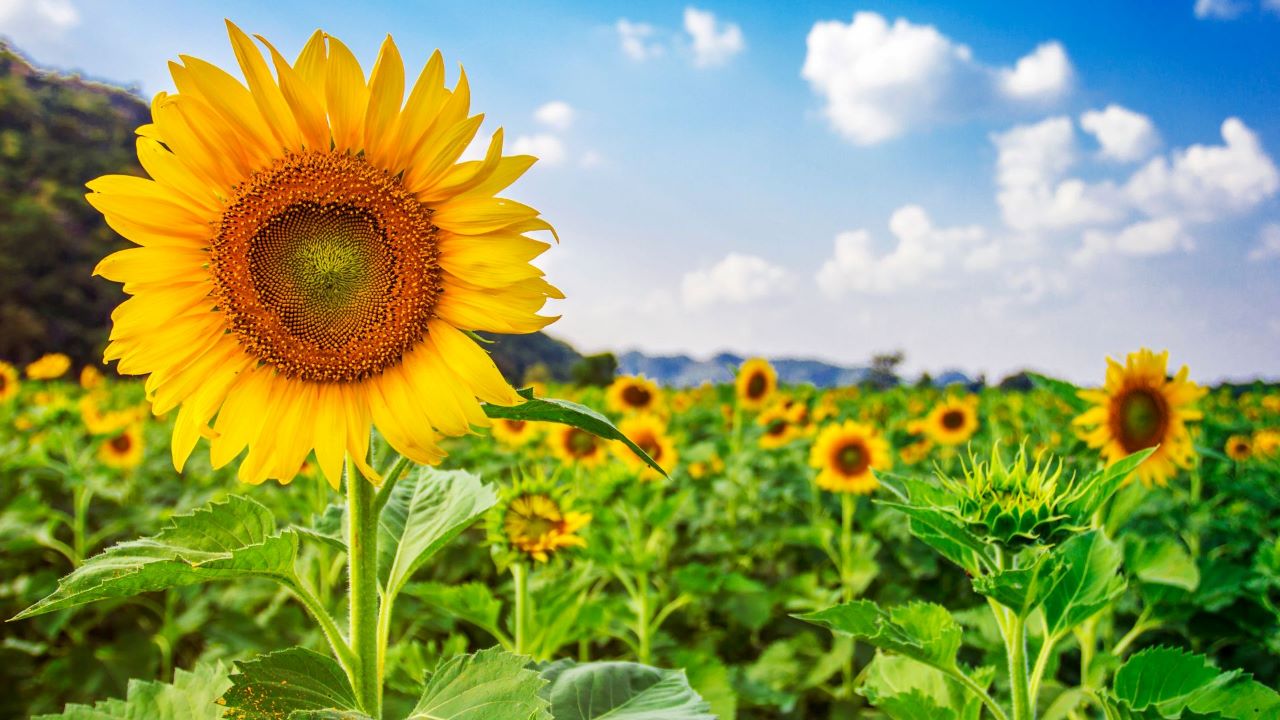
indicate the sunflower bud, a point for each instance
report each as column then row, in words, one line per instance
column 1019, row 503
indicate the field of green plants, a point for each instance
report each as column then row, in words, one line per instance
column 992, row 564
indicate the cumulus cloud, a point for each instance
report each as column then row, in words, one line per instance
column 1159, row 236
column 25, row 18
column 1220, row 9
column 556, row 114
column 548, row 148
column 1268, row 247
column 1124, row 135
column 880, row 79
column 920, row 252
column 735, row 279
column 714, row 43
column 638, row 40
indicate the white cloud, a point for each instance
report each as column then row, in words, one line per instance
column 638, row 40
column 1124, row 135
column 1271, row 5
column 1042, row 74
column 735, row 279
column 1149, row 237
column 1219, row 9
column 713, row 43
column 880, row 80
column 22, row 18
column 556, row 114
column 1204, row 182
column 921, row 251
column 548, row 148
column 1268, row 246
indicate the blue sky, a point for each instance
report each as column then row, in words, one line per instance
column 983, row 185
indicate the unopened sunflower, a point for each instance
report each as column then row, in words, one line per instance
column 49, row 367
column 1140, row 407
column 953, row 421
column 123, row 450
column 9, row 382
column 311, row 254
column 755, row 383
column 577, row 447
column 1239, row 447
column 633, row 394
column 650, row 434
column 514, row 433
column 846, row 454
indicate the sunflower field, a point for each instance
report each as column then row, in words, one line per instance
column 300, row 488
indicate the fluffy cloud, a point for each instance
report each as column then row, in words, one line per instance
column 1124, row 135
column 1149, row 237
column 1268, row 246
column 548, row 148
column 920, row 252
column 638, row 40
column 556, row 114
column 735, row 279
column 879, row 79
column 714, row 43
column 1045, row 73
column 46, row 17
column 1219, row 9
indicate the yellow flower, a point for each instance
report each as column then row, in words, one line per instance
column 1239, row 447
column 913, row 453
column 778, row 427
column 124, row 450
column 514, row 433
column 1266, row 442
column 100, row 422
column 756, row 381
column 90, row 378
column 953, row 421
column 9, row 382
column 1271, row 403
column 1138, row 408
column 49, row 367
column 536, row 525
column 630, row 393
column 311, row 254
column 576, row 447
column 650, row 434
column 682, row 401
column 846, row 453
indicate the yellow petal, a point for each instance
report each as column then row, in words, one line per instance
column 264, row 91
column 386, row 92
column 346, row 95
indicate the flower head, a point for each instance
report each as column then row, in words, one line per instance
column 49, row 367
column 631, row 394
column 846, row 455
column 755, row 383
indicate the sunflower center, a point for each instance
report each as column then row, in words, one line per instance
column 953, row 419
column 852, row 459
column 326, row 267
column 121, row 443
column 651, row 446
column 776, row 428
column 756, row 386
column 1143, row 417
column 581, row 443
column 636, row 396
column 515, row 425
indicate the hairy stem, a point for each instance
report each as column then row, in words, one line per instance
column 1019, row 685
column 362, row 554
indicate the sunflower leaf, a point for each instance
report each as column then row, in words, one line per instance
column 192, row 695
column 234, row 538
column 288, row 684
column 1169, row 682
column 622, row 691
column 922, row 631
column 489, row 685
column 1022, row 590
column 1091, row 581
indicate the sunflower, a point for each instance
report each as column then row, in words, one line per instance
column 536, row 526
column 779, row 429
column 122, row 451
column 1138, row 408
column 756, row 381
column 1266, row 442
column 49, row 367
column 574, row 446
column 90, row 378
column 9, row 382
column 1239, row 447
column 846, row 453
column 514, row 433
column 650, row 434
column 103, row 422
column 311, row 256
column 953, row 421
column 632, row 393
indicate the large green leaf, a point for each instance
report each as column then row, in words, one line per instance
column 906, row 689
column 1090, row 583
column 622, row 691
column 1065, row 391
column 1163, row 561
column 290, row 683
column 489, row 685
column 473, row 602
column 426, row 511
column 223, row 540
column 1022, row 590
column 565, row 412
column 919, row 630
column 191, row 696
column 1171, row 683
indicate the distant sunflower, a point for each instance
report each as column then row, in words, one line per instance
column 514, row 433
column 100, row 421
column 535, row 525
column 650, row 434
column 123, row 450
column 1138, row 408
column 755, row 383
column 631, row 394
column 90, row 378
column 576, row 447
column 49, row 367
column 1266, row 442
column 312, row 253
column 953, row 421
column 778, row 427
column 9, row 382
column 846, row 454
column 1239, row 447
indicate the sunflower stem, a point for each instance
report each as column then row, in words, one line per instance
column 520, row 578
column 848, row 505
column 362, row 548
column 1019, row 684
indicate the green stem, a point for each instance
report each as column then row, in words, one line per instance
column 1140, row 626
column 642, row 618
column 1019, row 686
column 1042, row 663
column 847, row 508
column 79, row 522
column 389, row 479
column 981, row 692
column 520, row 578
column 315, row 608
column 362, row 557
column 1087, row 639
column 735, row 463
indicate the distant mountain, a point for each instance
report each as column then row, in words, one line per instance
column 684, row 371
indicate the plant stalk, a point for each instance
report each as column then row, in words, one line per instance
column 520, row 578
column 362, row 558
column 1019, row 684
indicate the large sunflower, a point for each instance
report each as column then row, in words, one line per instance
column 846, row 454
column 631, row 393
column 755, row 383
column 9, row 382
column 311, row 256
column 1140, row 407
column 953, row 421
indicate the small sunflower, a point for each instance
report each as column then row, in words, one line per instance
column 122, row 451
column 49, row 367
column 953, row 421
column 1140, row 407
column 779, row 429
column 103, row 422
column 514, row 433
column 312, row 252
column 535, row 526
column 577, row 447
column 9, row 382
column 846, row 454
column 1266, row 443
column 91, row 378
column 1239, row 447
column 756, row 382
column 633, row 394
column 650, row 434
